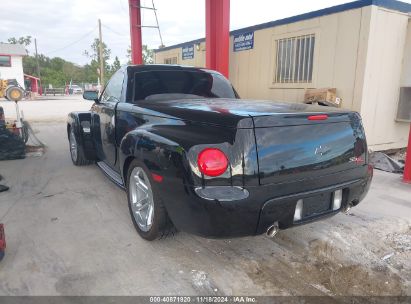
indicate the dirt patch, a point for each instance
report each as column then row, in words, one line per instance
column 343, row 278
column 337, row 262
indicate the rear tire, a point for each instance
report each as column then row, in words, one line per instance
column 146, row 208
column 76, row 151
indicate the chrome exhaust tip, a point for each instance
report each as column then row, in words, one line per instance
column 272, row 230
column 347, row 208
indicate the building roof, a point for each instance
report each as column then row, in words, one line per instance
column 12, row 49
column 389, row 4
column 31, row 77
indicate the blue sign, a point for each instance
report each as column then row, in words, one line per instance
column 244, row 41
column 187, row 52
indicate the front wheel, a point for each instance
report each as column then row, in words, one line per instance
column 76, row 151
column 14, row 93
column 147, row 211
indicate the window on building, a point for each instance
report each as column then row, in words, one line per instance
column 5, row 61
column 294, row 62
column 172, row 60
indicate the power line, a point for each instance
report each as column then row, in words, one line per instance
column 111, row 30
column 72, row 43
column 122, row 6
column 157, row 26
column 143, row 8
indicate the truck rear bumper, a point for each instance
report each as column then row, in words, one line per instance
column 255, row 214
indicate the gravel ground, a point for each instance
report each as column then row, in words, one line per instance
column 69, row 233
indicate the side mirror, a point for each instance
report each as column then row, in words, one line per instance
column 91, row 95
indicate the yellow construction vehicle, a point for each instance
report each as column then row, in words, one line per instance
column 11, row 90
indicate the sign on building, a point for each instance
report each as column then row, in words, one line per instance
column 244, row 41
column 187, row 52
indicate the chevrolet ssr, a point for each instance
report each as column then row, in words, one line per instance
column 194, row 156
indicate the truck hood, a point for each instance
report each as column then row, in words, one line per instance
column 238, row 113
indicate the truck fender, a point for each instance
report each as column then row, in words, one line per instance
column 80, row 122
column 152, row 149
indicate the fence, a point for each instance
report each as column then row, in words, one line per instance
column 54, row 91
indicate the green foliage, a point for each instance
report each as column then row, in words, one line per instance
column 94, row 55
column 148, row 55
column 26, row 41
column 59, row 72
column 116, row 65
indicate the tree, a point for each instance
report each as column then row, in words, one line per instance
column 94, row 54
column 116, row 65
column 148, row 55
column 58, row 72
column 26, row 41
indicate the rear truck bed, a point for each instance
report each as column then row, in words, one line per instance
column 309, row 166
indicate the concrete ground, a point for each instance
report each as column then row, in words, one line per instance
column 69, row 233
column 46, row 109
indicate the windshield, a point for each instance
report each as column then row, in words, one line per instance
column 162, row 85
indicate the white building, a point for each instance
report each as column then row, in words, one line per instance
column 11, row 62
column 362, row 49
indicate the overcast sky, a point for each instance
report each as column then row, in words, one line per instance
column 65, row 28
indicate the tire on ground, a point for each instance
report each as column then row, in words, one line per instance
column 78, row 157
column 162, row 226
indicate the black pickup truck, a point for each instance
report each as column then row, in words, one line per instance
column 193, row 156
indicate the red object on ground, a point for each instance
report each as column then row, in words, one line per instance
column 407, row 168
column 2, row 238
column 218, row 35
column 135, row 32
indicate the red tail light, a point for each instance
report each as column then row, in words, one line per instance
column 212, row 162
column 318, row 117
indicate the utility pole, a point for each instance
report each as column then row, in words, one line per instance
column 135, row 32
column 39, row 90
column 100, row 48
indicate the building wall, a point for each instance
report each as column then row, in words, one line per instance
column 382, row 79
column 335, row 58
column 198, row 61
column 15, row 71
column 406, row 67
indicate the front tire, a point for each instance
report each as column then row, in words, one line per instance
column 147, row 211
column 76, row 151
column 14, row 93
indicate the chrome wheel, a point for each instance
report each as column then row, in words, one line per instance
column 73, row 145
column 141, row 198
